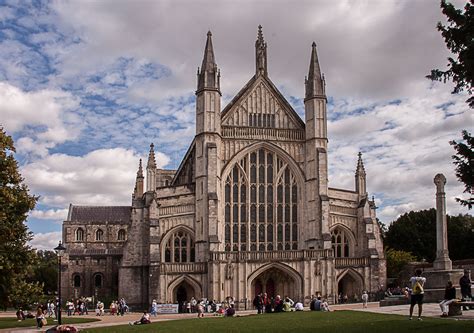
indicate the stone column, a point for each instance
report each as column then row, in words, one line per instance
column 442, row 261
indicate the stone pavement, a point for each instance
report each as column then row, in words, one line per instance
column 429, row 310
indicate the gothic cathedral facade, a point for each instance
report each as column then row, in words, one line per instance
column 248, row 210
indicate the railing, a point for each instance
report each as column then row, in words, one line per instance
column 185, row 267
column 352, row 262
column 285, row 134
column 174, row 210
column 343, row 210
column 91, row 252
column 292, row 255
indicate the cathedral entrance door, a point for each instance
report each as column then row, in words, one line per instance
column 275, row 281
column 182, row 294
column 350, row 285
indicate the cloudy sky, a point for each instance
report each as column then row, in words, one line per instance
column 86, row 86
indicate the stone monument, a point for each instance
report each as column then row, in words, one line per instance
column 442, row 272
column 442, row 261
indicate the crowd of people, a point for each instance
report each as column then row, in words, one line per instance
column 265, row 304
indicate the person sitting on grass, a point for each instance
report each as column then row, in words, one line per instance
column 145, row 319
column 20, row 316
column 449, row 297
column 287, row 304
column 299, row 306
column 325, row 306
column 230, row 312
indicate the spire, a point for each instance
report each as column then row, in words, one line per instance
column 260, row 54
column 151, row 158
column 360, row 179
column 208, row 75
column 151, row 170
column 315, row 84
column 140, row 170
column 139, row 182
column 360, row 166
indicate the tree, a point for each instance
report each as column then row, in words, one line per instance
column 464, row 161
column 458, row 35
column 16, row 257
column 46, row 271
column 415, row 232
column 396, row 260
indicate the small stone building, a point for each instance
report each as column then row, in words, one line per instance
column 248, row 210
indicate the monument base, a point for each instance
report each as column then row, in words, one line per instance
column 436, row 283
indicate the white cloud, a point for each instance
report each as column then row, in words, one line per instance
column 101, row 177
column 43, row 109
column 50, row 214
column 46, row 241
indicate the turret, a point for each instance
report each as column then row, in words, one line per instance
column 260, row 54
column 315, row 84
column 151, row 170
column 360, row 177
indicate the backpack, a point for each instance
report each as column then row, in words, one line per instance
column 417, row 288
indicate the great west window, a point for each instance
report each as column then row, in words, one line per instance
column 261, row 204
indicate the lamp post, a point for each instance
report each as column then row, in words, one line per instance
column 60, row 249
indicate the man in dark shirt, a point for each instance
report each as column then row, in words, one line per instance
column 465, row 283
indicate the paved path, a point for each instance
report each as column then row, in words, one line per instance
column 429, row 310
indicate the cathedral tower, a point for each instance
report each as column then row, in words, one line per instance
column 316, row 155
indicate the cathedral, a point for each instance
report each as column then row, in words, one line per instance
column 248, row 210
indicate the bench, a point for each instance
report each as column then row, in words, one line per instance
column 455, row 308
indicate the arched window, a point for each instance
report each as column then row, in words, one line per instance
column 80, row 235
column 99, row 235
column 77, row 281
column 121, row 235
column 180, row 247
column 340, row 243
column 98, row 280
column 261, row 204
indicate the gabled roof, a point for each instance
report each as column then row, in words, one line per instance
column 184, row 161
column 99, row 213
column 250, row 84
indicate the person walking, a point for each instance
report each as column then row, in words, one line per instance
column 417, row 284
column 449, row 297
column 465, row 283
column 365, row 299
column 39, row 317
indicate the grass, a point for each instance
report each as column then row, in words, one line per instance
column 300, row 322
column 13, row 322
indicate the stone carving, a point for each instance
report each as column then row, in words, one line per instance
column 229, row 269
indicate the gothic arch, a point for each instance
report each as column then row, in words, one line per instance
column 282, row 267
column 347, row 233
column 350, row 282
column 167, row 237
column 272, row 148
column 186, row 278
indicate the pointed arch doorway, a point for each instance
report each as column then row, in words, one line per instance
column 182, row 293
column 275, row 281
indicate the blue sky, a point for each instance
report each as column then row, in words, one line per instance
column 85, row 87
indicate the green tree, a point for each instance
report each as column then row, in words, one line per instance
column 46, row 271
column 415, row 232
column 464, row 161
column 396, row 260
column 458, row 35
column 16, row 257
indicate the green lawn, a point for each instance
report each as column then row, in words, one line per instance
column 299, row 322
column 12, row 322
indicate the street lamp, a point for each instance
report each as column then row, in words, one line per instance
column 60, row 250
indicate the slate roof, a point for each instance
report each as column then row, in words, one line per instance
column 99, row 213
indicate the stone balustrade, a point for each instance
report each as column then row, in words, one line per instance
column 281, row 134
column 293, row 255
column 176, row 210
column 185, row 267
column 352, row 262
